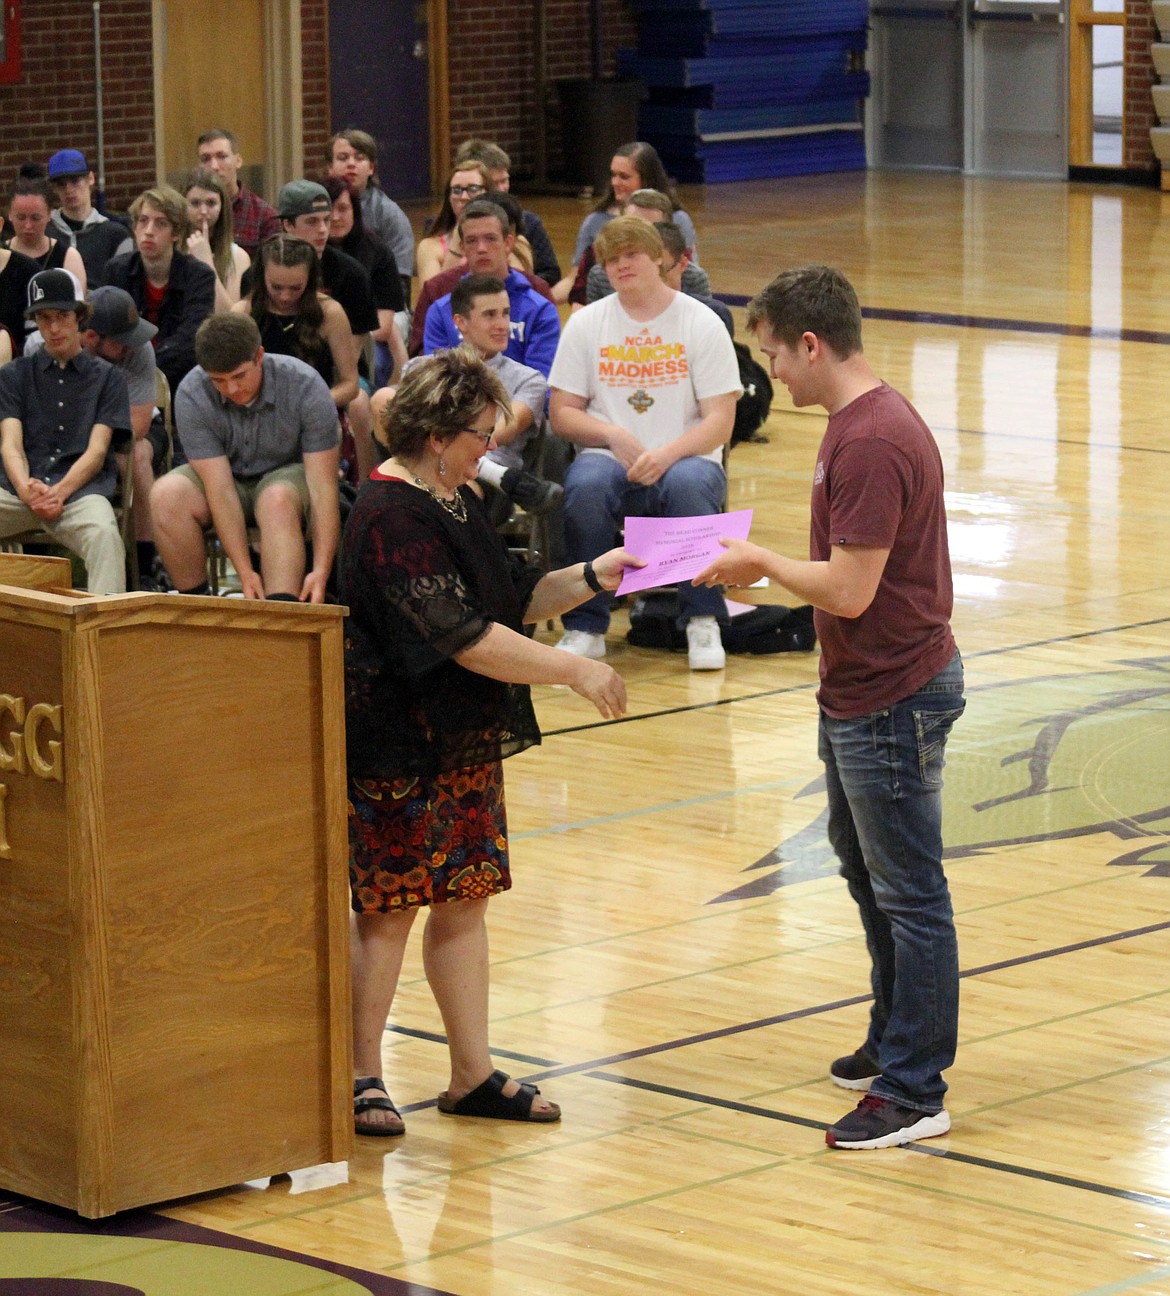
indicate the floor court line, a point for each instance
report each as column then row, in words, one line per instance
column 949, row 1154
column 1095, row 332
column 978, row 655
column 556, row 1071
column 1129, row 1284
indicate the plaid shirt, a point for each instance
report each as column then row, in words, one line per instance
column 252, row 221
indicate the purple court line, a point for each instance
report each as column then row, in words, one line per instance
column 992, row 322
column 799, row 688
column 23, row 1215
column 949, row 1154
column 723, row 1032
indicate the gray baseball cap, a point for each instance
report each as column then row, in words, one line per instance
column 303, row 198
column 116, row 317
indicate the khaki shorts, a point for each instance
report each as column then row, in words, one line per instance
column 248, row 489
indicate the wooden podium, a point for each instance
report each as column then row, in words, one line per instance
column 174, row 975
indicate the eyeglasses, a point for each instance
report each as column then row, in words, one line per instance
column 485, row 437
column 466, row 191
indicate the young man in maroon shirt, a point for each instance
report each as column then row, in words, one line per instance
column 879, row 577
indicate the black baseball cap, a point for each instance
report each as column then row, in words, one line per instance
column 53, row 290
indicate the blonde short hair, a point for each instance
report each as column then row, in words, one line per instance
column 627, row 234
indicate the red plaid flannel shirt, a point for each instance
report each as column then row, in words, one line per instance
column 253, row 220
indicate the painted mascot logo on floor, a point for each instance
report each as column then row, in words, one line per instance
column 1031, row 761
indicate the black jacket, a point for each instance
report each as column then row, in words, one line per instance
column 189, row 301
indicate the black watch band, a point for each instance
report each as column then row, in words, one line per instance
column 591, row 580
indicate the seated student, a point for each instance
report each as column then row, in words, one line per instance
column 295, row 318
column 29, row 205
column 644, row 384
column 534, row 328
column 347, row 233
column 648, row 205
column 441, row 284
column 210, row 240
column 253, row 220
column 499, row 165
column 482, row 311
column 77, row 222
column 116, row 333
column 306, row 210
column 675, row 267
column 15, row 273
column 634, row 166
column 353, row 157
column 170, row 288
column 60, row 410
column 261, row 438
column 441, row 249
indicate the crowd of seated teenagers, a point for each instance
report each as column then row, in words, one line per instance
column 189, row 254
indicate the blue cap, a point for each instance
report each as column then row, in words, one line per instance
column 66, row 163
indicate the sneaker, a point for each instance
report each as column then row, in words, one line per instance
column 532, row 493
column 583, row 644
column 855, row 1071
column 704, row 645
column 878, row 1123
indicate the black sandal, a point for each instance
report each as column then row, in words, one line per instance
column 488, row 1100
column 362, row 1105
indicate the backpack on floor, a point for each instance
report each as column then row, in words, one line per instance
column 752, row 407
column 767, row 629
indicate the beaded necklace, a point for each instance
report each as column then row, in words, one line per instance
column 457, row 507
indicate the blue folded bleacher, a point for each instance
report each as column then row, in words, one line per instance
column 743, row 89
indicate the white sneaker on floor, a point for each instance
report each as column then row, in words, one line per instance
column 704, row 644
column 583, row 644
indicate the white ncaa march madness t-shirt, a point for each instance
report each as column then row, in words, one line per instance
column 648, row 378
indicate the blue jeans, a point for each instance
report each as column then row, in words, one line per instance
column 598, row 495
column 883, row 773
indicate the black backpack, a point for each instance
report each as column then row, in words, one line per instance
column 767, row 629
column 752, row 407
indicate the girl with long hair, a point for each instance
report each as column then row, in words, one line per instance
column 211, row 242
column 634, row 166
column 348, row 234
column 440, row 250
column 294, row 318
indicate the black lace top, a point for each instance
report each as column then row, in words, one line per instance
column 421, row 586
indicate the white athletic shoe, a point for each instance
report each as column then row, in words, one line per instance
column 704, row 645
column 583, row 644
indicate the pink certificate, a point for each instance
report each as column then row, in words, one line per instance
column 677, row 548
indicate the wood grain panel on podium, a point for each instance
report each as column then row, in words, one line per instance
column 191, row 867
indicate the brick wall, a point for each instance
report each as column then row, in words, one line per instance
column 491, row 46
column 53, row 105
column 1140, row 32
column 315, row 82
column 61, row 111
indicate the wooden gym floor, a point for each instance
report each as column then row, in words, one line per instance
column 678, row 963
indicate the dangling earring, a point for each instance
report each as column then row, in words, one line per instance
column 442, row 467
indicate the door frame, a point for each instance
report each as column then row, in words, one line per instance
column 1054, row 13
column 1083, row 18
column 439, row 85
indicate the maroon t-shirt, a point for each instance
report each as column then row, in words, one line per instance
column 879, row 484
